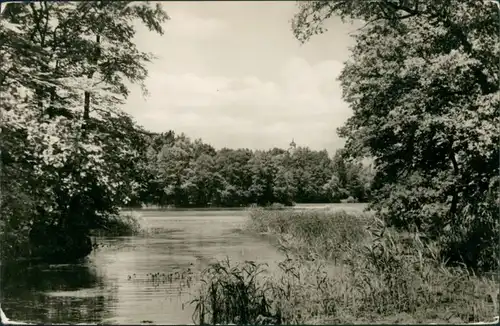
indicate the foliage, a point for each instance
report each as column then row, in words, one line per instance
column 66, row 145
column 183, row 172
column 423, row 84
column 125, row 224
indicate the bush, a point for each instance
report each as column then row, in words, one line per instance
column 349, row 200
column 17, row 209
column 469, row 235
column 58, row 243
column 125, row 224
column 476, row 241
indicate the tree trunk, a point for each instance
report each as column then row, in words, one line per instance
column 454, row 201
column 87, row 95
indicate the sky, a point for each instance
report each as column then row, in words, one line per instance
column 232, row 74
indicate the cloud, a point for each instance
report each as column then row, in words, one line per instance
column 303, row 103
column 186, row 25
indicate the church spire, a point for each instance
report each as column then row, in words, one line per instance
column 292, row 145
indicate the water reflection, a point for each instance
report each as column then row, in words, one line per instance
column 149, row 270
column 130, row 280
column 44, row 293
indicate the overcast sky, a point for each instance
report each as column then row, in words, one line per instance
column 233, row 74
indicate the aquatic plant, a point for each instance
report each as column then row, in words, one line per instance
column 383, row 274
column 233, row 294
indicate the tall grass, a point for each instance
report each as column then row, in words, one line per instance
column 399, row 273
column 243, row 294
column 232, row 294
column 343, row 268
column 313, row 234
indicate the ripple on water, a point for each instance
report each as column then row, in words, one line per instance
column 100, row 289
column 84, row 293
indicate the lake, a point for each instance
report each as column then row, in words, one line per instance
column 114, row 285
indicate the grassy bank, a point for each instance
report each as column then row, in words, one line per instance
column 271, row 206
column 312, row 234
column 344, row 268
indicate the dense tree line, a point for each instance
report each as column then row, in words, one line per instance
column 180, row 172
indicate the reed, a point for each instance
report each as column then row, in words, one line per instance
column 343, row 268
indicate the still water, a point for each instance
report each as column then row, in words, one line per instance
column 114, row 285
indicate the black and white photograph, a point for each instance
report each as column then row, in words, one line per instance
column 250, row 162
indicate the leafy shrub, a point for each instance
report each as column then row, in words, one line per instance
column 14, row 225
column 125, row 224
column 475, row 242
column 469, row 236
column 349, row 200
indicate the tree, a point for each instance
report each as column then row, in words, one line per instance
column 423, row 85
column 235, row 171
column 339, row 166
column 334, row 191
column 284, row 183
column 173, row 162
column 263, row 175
column 201, row 183
column 63, row 82
column 176, row 171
